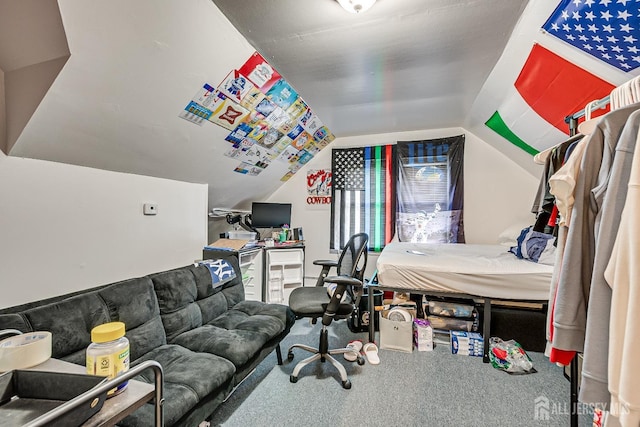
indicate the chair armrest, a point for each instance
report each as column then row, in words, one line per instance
column 344, row 280
column 326, row 262
column 326, row 266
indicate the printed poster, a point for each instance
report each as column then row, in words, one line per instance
column 319, row 187
column 228, row 114
column 254, row 156
column 205, row 96
column 195, row 113
column 270, row 138
column 282, row 94
column 239, row 133
column 247, row 169
column 252, row 98
column 266, row 117
column 235, row 86
column 297, row 108
column 258, row 70
column 286, row 176
column 287, row 154
column 301, row 141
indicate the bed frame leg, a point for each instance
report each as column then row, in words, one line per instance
column 372, row 313
column 486, row 329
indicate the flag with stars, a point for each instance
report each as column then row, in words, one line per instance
column 362, row 195
column 609, row 30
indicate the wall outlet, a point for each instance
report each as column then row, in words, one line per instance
column 150, row 209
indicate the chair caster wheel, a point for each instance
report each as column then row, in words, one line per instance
column 360, row 360
column 346, row 384
column 290, row 356
column 295, row 379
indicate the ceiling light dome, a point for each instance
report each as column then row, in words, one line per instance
column 356, row 6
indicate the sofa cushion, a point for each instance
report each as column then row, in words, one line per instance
column 14, row 321
column 134, row 302
column 279, row 311
column 188, row 378
column 70, row 322
column 239, row 333
column 236, row 345
column 177, row 292
column 215, row 300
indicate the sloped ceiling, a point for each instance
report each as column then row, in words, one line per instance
column 29, row 61
column 403, row 65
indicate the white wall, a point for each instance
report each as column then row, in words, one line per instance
column 497, row 192
column 65, row 228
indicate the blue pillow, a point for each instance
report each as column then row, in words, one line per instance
column 221, row 271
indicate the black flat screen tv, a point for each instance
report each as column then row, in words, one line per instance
column 267, row 215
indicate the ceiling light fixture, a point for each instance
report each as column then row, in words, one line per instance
column 356, row 6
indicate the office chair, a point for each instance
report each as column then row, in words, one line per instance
column 314, row 302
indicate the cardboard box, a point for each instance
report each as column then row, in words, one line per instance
column 467, row 343
column 422, row 335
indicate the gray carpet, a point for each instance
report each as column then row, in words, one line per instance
column 406, row 389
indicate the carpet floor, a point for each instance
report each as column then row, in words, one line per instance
column 406, row 389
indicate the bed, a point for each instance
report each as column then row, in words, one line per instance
column 487, row 272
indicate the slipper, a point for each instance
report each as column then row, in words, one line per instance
column 352, row 356
column 370, row 350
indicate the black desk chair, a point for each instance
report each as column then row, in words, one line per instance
column 314, row 302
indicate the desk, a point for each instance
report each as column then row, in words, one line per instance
column 115, row 408
column 269, row 273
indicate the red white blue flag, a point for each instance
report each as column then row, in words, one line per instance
column 609, row 30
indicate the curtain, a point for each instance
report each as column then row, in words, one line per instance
column 430, row 190
column 363, row 195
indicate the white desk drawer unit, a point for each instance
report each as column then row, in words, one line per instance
column 284, row 271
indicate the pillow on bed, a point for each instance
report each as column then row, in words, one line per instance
column 535, row 246
column 509, row 237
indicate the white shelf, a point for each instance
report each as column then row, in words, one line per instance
column 284, row 271
column 285, row 264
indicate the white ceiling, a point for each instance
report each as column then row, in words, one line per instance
column 402, row 65
column 135, row 64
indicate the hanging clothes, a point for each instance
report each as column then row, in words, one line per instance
column 576, row 268
column 563, row 183
column 594, row 386
column 623, row 276
column 544, row 201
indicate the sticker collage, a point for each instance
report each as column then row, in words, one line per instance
column 267, row 119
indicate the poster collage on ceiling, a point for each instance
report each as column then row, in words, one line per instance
column 267, row 119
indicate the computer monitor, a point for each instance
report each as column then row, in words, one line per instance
column 267, row 215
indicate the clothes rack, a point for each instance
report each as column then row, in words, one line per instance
column 572, row 119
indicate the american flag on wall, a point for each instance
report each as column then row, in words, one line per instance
column 609, row 30
column 363, row 195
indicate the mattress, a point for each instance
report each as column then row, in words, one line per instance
column 480, row 270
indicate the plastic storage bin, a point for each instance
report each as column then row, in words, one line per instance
column 242, row 235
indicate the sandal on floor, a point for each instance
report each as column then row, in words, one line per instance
column 352, row 356
column 370, row 350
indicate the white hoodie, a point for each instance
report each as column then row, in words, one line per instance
column 623, row 275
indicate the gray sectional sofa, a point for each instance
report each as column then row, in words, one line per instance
column 206, row 338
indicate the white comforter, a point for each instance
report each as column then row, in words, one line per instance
column 482, row 270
